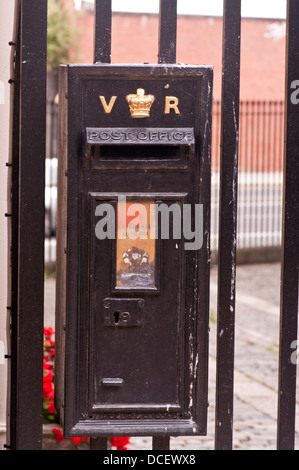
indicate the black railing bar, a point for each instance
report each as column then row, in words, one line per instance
column 290, row 243
column 98, row 443
column 167, row 32
column 161, row 443
column 13, row 320
column 102, row 34
column 29, row 388
column 102, row 54
column 228, row 223
column 166, row 55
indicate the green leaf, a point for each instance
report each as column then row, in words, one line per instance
column 62, row 34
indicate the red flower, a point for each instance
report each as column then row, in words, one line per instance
column 58, row 435
column 47, row 378
column 49, row 331
column 47, row 390
column 120, row 442
column 76, row 440
column 49, row 394
column 51, row 409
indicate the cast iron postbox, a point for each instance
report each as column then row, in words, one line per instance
column 133, row 249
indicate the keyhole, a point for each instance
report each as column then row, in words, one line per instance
column 116, row 317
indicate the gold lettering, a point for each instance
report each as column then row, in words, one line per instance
column 171, row 102
column 108, row 107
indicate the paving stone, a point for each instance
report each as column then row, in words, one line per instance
column 256, row 362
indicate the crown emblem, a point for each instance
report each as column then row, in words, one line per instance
column 140, row 104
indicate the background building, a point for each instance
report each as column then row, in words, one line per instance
column 135, row 40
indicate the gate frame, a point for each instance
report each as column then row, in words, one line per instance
column 27, row 246
column 28, row 221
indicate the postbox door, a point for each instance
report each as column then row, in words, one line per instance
column 137, row 315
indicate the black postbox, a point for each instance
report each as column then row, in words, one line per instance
column 133, row 250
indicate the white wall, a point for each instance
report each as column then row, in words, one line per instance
column 6, row 35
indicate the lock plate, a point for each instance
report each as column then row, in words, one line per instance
column 123, row 312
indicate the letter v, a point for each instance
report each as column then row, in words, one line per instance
column 108, row 107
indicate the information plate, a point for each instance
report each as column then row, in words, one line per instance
column 123, row 135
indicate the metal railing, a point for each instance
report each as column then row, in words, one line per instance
column 51, row 183
column 260, row 176
column 27, row 264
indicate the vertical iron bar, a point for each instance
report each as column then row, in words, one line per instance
column 266, row 175
column 103, row 21
column 228, row 224
column 32, row 130
column 266, row 143
column 166, row 55
column 258, row 207
column 290, row 241
column 167, row 32
column 15, row 233
column 161, row 443
column 102, row 54
column 248, row 157
column 276, row 173
column 256, row 192
column 99, row 443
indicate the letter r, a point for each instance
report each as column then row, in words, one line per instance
column 171, row 102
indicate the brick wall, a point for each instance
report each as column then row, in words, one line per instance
column 135, row 40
